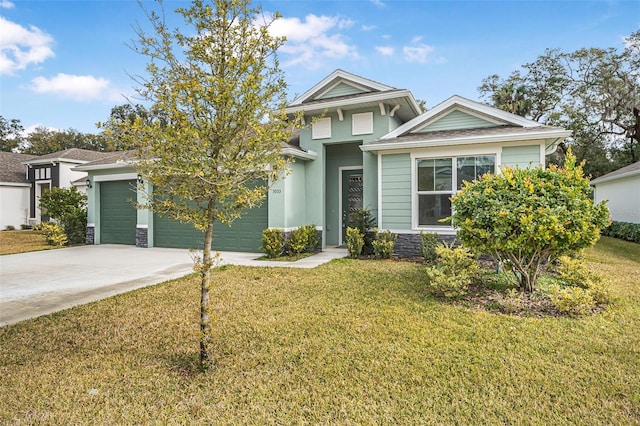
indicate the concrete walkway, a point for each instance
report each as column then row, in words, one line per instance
column 39, row 283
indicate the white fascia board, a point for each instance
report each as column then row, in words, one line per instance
column 347, row 77
column 51, row 161
column 117, row 165
column 369, row 97
column 616, row 177
column 20, row 184
column 303, row 155
column 466, row 140
column 498, row 114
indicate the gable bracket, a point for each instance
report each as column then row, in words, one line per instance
column 340, row 116
column 382, row 108
column 393, row 110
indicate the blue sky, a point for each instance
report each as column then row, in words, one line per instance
column 65, row 64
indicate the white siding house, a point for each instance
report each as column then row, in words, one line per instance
column 621, row 189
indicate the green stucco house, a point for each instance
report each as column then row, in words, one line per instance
column 365, row 145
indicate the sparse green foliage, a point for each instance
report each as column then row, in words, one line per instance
column 511, row 301
column 273, row 242
column 429, row 242
column 214, row 141
column 453, row 273
column 529, row 217
column 384, row 243
column 363, row 220
column 69, row 207
column 355, row 242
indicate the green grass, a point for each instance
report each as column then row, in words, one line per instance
column 12, row 242
column 351, row 342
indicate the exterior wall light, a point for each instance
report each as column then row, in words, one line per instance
column 88, row 182
column 140, row 180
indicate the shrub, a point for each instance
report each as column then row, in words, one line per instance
column 363, row 220
column 10, row 228
column 624, row 231
column 311, row 236
column 297, row 242
column 529, row 216
column 69, row 207
column 429, row 242
column 384, row 243
column 454, row 271
column 25, row 226
column 574, row 272
column 571, row 300
column 511, row 302
column 272, row 242
column 53, row 233
column 355, row 242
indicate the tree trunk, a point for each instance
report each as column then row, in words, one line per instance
column 205, row 273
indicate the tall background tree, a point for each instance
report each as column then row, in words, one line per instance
column 592, row 91
column 11, row 134
column 43, row 141
column 215, row 139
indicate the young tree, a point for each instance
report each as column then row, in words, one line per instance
column 218, row 96
column 528, row 217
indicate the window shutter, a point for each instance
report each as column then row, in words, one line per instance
column 321, row 129
column 362, row 124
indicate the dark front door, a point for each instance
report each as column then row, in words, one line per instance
column 351, row 197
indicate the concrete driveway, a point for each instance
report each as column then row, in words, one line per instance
column 42, row 282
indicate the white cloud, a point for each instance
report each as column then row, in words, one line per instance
column 77, row 87
column 378, row 3
column 20, row 46
column 5, row 4
column 312, row 41
column 368, row 27
column 418, row 53
column 385, row 50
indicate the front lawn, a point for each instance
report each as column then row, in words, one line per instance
column 350, row 342
column 12, row 242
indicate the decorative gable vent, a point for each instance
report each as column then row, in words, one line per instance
column 321, row 129
column 362, row 124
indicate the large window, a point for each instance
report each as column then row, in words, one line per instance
column 440, row 178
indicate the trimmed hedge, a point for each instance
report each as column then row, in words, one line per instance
column 624, row 231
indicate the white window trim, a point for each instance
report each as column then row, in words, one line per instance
column 454, row 178
column 368, row 116
column 321, row 129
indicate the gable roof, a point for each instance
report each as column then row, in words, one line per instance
column 458, row 103
column 345, row 91
column 487, row 124
column 627, row 171
column 340, row 78
column 71, row 155
column 12, row 168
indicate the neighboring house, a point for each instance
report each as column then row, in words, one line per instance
column 14, row 190
column 621, row 188
column 368, row 146
column 55, row 170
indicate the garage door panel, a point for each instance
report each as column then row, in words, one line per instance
column 244, row 234
column 118, row 215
